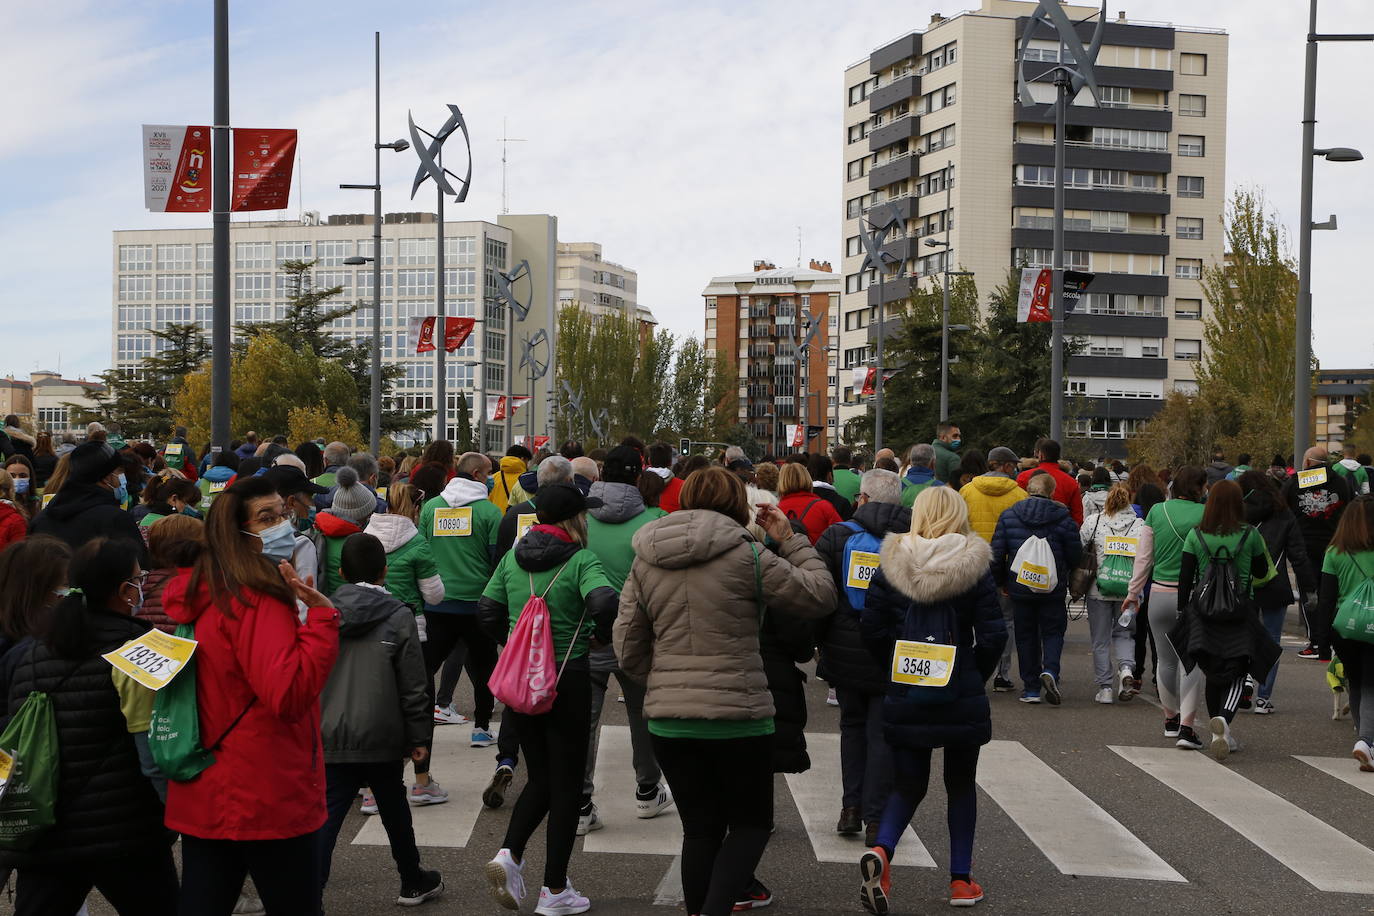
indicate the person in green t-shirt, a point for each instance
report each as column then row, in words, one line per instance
column 1228, row 650
column 1346, row 570
column 553, row 562
column 846, row 476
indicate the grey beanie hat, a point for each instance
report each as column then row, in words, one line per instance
column 353, row 502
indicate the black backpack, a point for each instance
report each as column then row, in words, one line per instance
column 1218, row 597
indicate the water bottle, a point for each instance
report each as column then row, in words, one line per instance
column 1125, row 619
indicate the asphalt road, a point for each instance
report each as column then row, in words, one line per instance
column 1060, row 813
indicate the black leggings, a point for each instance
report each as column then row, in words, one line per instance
column 442, row 633
column 1223, row 696
column 1144, row 639
column 134, row 885
column 555, row 746
column 724, row 793
column 285, row 873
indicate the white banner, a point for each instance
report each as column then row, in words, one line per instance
column 499, row 406
column 176, row 168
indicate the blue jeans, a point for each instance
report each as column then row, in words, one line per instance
column 1040, row 622
column 912, row 767
column 1273, row 622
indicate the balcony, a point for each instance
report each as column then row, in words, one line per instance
column 1080, row 322
column 894, row 92
column 906, row 127
column 889, row 54
column 1130, row 77
column 1121, row 408
column 1118, row 366
column 1132, row 35
column 1128, row 241
column 1098, row 197
column 1136, row 117
column 906, row 205
column 903, row 168
column 896, row 289
column 1088, row 156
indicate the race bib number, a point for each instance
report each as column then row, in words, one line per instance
column 922, row 664
column 453, row 523
column 1120, row 547
column 173, row 449
column 381, row 491
column 6, row 767
column 153, row 659
column 1312, row 478
column 1034, row 577
column 47, row 498
column 217, row 486
column 863, row 566
column 524, row 522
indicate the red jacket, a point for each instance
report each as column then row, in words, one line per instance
column 668, row 502
column 13, row 525
column 1066, row 489
column 814, row 513
column 267, row 781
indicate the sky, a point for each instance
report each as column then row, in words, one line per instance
column 689, row 139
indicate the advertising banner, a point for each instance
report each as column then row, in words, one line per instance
column 499, row 406
column 456, row 332
column 1037, row 289
column 263, row 158
column 176, row 168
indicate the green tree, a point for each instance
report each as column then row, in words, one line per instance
column 740, row 435
column 1184, row 431
column 721, row 408
column 685, row 413
column 615, row 368
column 139, row 401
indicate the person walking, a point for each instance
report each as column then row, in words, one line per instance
column 412, row 576
column 1316, row 496
column 822, row 481
column 798, row 501
column 688, row 628
column 174, row 544
column 933, row 607
column 946, row 448
column 1346, row 569
column 1121, row 545
column 259, row 673
column 375, row 713
column 348, row 514
column 1039, row 613
column 507, row 476
column 920, row 473
column 847, row 479
column 859, row 681
column 1226, row 648
column 1095, row 497
column 1066, row 490
column 987, row 496
column 551, row 561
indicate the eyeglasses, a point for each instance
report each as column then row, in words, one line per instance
column 140, row 580
column 270, row 518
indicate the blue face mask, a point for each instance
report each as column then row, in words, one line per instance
column 955, row 443
column 21, row 485
column 491, row 484
column 121, row 492
column 279, row 541
column 305, row 522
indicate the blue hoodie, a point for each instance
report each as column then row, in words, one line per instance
column 916, row 475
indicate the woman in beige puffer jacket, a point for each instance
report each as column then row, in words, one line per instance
column 688, row 627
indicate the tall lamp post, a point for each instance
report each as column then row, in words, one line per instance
column 876, row 258
column 945, row 326
column 375, row 395
column 220, row 328
column 1302, row 368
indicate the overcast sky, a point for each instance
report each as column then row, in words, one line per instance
column 687, row 138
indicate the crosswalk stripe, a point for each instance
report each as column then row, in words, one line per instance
column 1074, row 833
column 1314, row 850
column 669, row 891
column 459, row 769
column 615, row 802
column 817, row 794
column 1343, row 768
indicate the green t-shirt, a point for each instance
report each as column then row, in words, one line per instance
column 1350, row 569
column 461, row 541
column 717, row 729
column 1202, row 545
column 613, row 544
column 1170, row 523
column 912, row 490
column 510, row 585
column 847, row 483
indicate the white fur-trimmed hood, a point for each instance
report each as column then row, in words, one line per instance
column 929, row 570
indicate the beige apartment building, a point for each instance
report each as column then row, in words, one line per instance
column 601, row 287
column 935, row 113
column 163, row 276
column 42, row 400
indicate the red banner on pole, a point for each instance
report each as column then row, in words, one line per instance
column 1037, row 287
column 499, row 406
column 456, row 333
column 263, row 158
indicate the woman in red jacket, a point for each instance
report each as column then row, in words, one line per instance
column 800, row 504
column 13, row 525
column 259, row 673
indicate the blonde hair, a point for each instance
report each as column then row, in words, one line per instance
column 939, row 511
column 400, row 500
column 1118, row 499
column 793, row 478
column 59, row 474
column 6, row 485
column 576, row 528
column 766, row 476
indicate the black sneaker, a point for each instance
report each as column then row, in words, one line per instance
column 1309, row 651
column 1171, row 727
column 429, row 887
column 494, row 795
column 850, row 823
column 1001, row 685
column 1188, row 739
column 757, row 897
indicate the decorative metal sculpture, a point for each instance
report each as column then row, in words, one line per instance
column 874, row 256
column 431, row 153
column 505, row 289
column 1081, row 74
column 599, row 421
column 528, row 359
column 814, row 328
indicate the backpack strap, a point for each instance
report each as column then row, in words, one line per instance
column 232, row 725
column 758, row 583
column 809, row 506
column 548, row 587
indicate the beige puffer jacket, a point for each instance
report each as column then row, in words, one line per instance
column 689, row 621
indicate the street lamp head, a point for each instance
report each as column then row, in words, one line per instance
column 934, row 243
column 1340, row 154
column 399, row 146
column 356, row 260
column 960, row 327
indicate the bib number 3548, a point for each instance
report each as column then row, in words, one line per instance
column 922, row 664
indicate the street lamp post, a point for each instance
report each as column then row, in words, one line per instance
column 1302, row 368
column 945, row 326
column 219, row 240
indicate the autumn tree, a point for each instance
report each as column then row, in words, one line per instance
column 138, row 401
column 305, row 423
column 1184, row 431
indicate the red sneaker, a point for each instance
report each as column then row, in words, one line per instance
column 964, row 893
column 877, row 880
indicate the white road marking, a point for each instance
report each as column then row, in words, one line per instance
column 464, row 772
column 669, row 891
column 1312, row 849
column 615, row 802
column 1074, row 833
column 1343, row 768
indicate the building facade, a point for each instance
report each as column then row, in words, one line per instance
column 1342, row 395
column 163, row 276
column 756, row 322
column 933, row 116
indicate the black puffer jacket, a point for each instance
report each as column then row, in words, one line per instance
column 1285, row 542
column 845, row 661
column 106, row 807
column 83, row 512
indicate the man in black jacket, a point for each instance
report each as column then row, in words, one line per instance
column 88, row 505
column 845, row 663
column 1317, row 496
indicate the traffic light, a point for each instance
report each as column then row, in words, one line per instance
column 684, row 446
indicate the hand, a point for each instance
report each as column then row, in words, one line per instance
column 419, row 754
column 304, row 588
column 773, row 522
column 1131, row 604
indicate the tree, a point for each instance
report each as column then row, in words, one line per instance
column 613, row 367
column 1185, row 431
column 740, row 435
column 139, row 401
column 721, row 408
column 317, row 422
column 685, row 413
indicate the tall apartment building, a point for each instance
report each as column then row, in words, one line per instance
column 756, row 321
column 1145, row 176
column 162, row 276
column 1341, row 396
column 601, row 287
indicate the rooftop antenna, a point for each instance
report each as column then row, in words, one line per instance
column 799, row 245
column 505, row 142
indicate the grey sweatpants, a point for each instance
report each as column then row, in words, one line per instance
column 1111, row 641
column 646, row 768
column 1004, row 663
column 1180, row 693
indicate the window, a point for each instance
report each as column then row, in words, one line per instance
column 135, row 317
column 1188, row 350
column 256, row 312
column 388, row 249
column 174, row 314
column 936, row 140
column 1188, row 309
column 1192, row 106
column 204, row 287
column 857, row 205
column 1044, row 257
column 328, row 279
column 174, row 257
column 858, row 93
column 1124, row 138
column 364, row 279
column 1145, row 181
column 1192, row 146
column 858, row 131
column 134, row 346
column 1188, row 227
column 289, row 287
column 460, row 281
column 1115, row 96
column 1192, row 64
column 1078, row 388
column 53, row 418
column 1188, row 269
column 131, row 289
column 252, row 286
column 205, row 256
column 174, row 286
column 331, row 253
column 252, row 254
column 415, row 251
column 496, row 254
column 1186, row 386
column 859, row 168
column 415, row 283
column 461, row 251
column 1122, row 304
column 293, row 251
column 943, row 97
column 135, row 257
column 1190, row 186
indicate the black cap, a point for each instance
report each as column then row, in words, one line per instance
column 741, row 464
column 92, row 462
column 622, row 465
column 288, row 480
column 562, row 501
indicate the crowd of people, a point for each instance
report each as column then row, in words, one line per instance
column 336, row 598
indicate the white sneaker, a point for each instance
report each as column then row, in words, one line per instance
column 586, row 823
column 1125, row 684
column 566, row 903
column 830, row 698
column 1364, row 755
column 661, row 801
column 483, row 737
column 249, row 906
column 1222, row 742
column 1104, row 695
column 447, row 715
column 506, row 879
column 369, row 805
column 432, row 794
